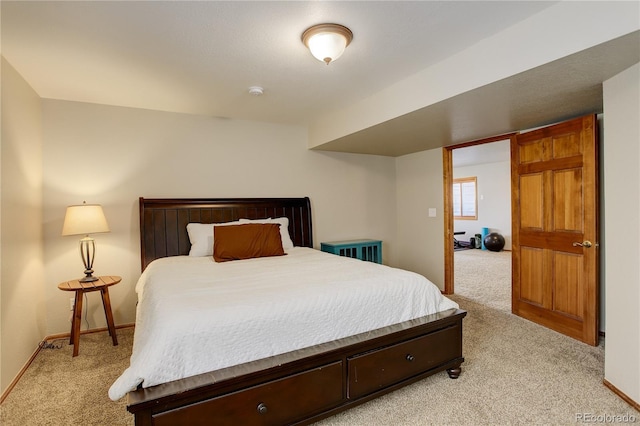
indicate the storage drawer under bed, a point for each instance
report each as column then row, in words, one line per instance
column 380, row 368
column 276, row 402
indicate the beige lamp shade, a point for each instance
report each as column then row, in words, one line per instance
column 84, row 219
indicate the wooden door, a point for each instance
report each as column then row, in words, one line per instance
column 555, row 227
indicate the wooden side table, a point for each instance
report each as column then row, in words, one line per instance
column 102, row 284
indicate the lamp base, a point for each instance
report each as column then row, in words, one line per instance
column 88, row 252
column 88, row 279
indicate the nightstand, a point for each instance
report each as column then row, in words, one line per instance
column 102, row 284
column 369, row 250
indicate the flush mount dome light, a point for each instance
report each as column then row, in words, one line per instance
column 256, row 90
column 327, row 41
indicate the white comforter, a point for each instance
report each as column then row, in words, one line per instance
column 195, row 315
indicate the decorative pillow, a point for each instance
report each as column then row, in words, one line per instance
column 246, row 241
column 201, row 237
column 287, row 243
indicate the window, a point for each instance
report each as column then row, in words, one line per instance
column 465, row 204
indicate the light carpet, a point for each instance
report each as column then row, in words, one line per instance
column 515, row 372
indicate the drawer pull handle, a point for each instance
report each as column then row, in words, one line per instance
column 262, row 409
column 409, row 357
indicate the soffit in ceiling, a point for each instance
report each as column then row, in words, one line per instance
column 563, row 89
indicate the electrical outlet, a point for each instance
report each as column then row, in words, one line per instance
column 72, row 303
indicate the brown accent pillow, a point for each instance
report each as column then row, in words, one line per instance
column 246, row 241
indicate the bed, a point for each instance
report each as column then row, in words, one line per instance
column 295, row 376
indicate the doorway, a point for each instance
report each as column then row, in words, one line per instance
column 482, row 205
column 493, row 219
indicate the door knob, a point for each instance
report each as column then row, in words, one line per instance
column 585, row 244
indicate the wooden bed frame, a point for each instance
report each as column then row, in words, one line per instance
column 298, row 387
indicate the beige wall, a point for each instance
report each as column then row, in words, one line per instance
column 420, row 238
column 22, row 309
column 622, row 204
column 112, row 156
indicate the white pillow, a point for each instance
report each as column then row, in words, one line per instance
column 287, row 243
column 201, row 237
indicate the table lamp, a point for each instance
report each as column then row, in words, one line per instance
column 85, row 219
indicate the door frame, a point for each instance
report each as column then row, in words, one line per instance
column 447, row 178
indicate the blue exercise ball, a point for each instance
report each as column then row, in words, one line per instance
column 494, row 241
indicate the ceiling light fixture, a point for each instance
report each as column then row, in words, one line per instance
column 327, row 41
column 256, row 90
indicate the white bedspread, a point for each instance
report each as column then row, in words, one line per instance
column 195, row 315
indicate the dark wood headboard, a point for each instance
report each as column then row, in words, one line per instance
column 163, row 221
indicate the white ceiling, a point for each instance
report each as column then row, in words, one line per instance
column 201, row 57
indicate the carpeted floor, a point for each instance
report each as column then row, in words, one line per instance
column 484, row 276
column 515, row 372
column 58, row 389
